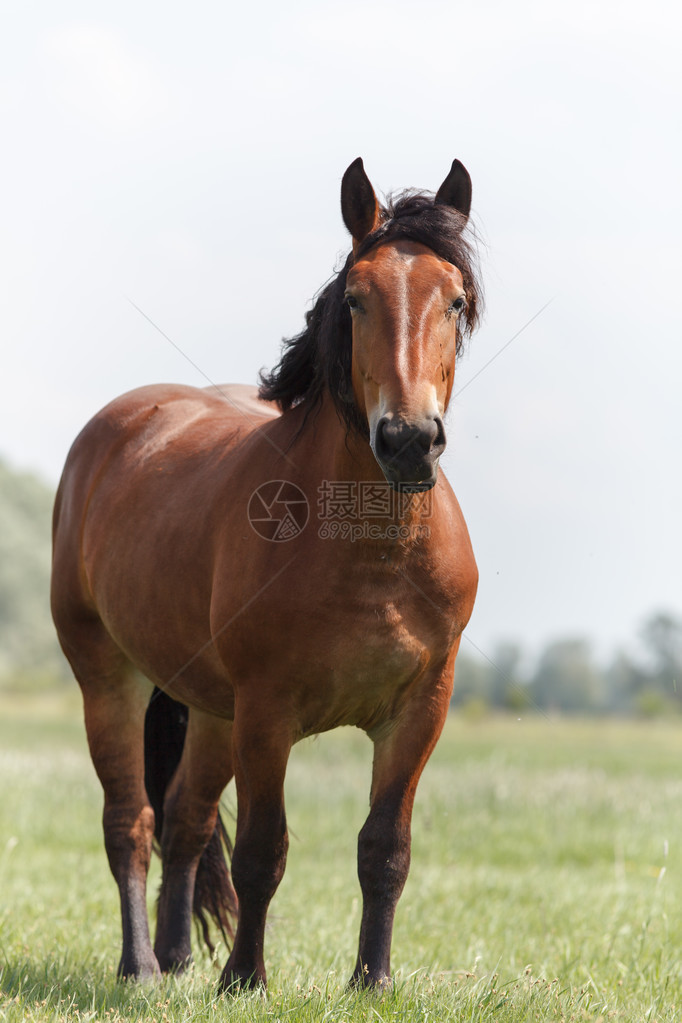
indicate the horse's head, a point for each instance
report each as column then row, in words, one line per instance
column 406, row 301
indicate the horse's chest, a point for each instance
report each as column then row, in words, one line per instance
column 346, row 646
column 385, row 643
column 363, row 665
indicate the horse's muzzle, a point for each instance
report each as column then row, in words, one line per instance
column 408, row 452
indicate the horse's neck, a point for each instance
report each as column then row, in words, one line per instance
column 337, row 453
column 347, row 467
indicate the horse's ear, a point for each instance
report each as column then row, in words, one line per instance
column 359, row 207
column 456, row 189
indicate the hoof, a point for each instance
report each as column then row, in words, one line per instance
column 175, row 963
column 363, row 980
column 142, row 969
column 234, row 980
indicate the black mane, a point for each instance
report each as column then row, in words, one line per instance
column 320, row 356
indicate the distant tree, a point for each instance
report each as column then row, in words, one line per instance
column 507, row 686
column 28, row 645
column 493, row 681
column 624, row 682
column 566, row 678
column 471, row 679
column 662, row 638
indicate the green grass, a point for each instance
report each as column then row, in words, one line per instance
column 545, row 882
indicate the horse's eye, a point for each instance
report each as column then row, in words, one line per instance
column 351, row 302
column 459, row 304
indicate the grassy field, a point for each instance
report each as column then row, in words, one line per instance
column 546, row 881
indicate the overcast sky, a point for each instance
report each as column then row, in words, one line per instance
column 188, row 160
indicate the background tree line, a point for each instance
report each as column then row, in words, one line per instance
column 565, row 677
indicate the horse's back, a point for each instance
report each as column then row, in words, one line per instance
column 134, row 428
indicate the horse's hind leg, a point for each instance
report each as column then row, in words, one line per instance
column 189, row 819
column 115, row 698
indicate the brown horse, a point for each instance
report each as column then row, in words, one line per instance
column 275, row 563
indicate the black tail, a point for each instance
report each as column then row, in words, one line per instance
column 164, row 737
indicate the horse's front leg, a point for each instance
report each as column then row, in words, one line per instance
column 401, row 749
column 261, row 744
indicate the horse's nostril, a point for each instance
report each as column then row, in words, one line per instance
column 428, row 433
column 439, row 442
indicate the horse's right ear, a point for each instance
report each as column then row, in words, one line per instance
column 456, row 189
column 359, row 207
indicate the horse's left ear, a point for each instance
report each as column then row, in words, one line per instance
column 359, row 207
column 456, row 189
